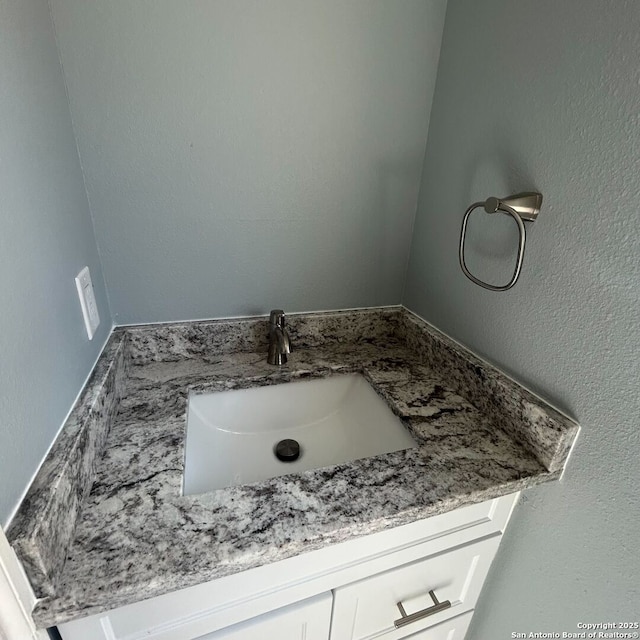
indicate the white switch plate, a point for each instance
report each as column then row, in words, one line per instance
column 88, row 302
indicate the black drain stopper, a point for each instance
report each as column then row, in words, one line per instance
column 287, row 450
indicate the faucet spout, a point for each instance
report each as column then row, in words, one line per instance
column 279, row 343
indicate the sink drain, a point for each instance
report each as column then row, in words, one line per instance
column 287, row 450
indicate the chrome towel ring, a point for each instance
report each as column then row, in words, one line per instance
column 522, row 206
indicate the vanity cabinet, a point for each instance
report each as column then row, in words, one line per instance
column 434, row 568
column 310, row 620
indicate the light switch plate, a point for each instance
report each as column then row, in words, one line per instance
column 88, row 302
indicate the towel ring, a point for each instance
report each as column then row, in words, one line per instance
column 522, row 206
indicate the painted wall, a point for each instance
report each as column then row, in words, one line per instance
column 46, row 238
column 241, row 155
column 539, row 94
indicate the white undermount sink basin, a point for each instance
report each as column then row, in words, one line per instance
column 232, row 435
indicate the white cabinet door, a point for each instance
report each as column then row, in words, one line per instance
column 306, row 620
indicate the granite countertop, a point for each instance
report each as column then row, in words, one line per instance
column 136, row 536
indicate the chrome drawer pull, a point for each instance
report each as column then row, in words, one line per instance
column 423, row 613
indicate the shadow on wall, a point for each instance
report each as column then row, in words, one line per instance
column 398, row 189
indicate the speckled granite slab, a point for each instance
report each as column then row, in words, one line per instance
column 207, row 338
column 530, row 421
column 138, row 537
column 43, row 527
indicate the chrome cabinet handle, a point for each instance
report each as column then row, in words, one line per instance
column 522, row 206
column 423, row 613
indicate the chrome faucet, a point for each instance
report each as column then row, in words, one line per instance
column 279, row 345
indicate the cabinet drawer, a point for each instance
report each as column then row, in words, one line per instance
column 452, row 629
column 368, row 608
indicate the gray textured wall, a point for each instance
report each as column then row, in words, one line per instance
column 545, row 94
column 241, row 154
column 46, row 237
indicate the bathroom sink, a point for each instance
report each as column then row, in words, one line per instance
column 232, row 435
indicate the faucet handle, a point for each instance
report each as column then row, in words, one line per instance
column 276, row 317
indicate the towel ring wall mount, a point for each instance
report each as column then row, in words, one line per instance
column 521, row 207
